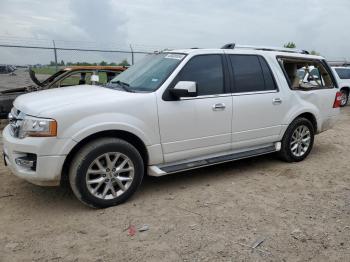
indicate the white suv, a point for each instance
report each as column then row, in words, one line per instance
column 342, row 74
column 170, row 112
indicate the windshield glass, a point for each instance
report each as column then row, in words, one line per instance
column 343, row 73
column 149, row 73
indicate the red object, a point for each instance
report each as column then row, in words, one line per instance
column 131, row 230
column 337, row 100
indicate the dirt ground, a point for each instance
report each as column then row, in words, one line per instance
column 301, row 211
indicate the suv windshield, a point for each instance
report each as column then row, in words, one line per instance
column 148, row 74
column 343, row 73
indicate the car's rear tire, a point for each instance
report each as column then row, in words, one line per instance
column 106, row 172
column 297, row 141
column 344, row 97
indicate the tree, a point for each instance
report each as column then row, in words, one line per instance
column 103, row 63
column 62, row 63
column 290, row 45
column 124, row 63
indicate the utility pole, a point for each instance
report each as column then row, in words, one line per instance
column 55, row 52
column 132, row 55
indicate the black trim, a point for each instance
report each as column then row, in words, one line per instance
column 168, row 97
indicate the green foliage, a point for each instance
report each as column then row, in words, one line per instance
column 290, row 45
column 124, row 63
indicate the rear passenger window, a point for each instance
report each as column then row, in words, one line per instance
column 207, row 72
column 251, row 73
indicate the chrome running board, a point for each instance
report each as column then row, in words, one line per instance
column 175, row 167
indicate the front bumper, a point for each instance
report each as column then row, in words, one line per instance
column 49, row 161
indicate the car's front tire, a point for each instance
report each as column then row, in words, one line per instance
column 297, row 141
column 106, row 172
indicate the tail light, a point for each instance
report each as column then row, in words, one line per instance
column 337, row 101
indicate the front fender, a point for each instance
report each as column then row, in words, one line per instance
column 92, row 124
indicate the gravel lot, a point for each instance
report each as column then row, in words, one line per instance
column 300, row 210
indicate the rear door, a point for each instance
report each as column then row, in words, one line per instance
column 258, row 106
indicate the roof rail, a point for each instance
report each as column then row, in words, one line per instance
column 265, row 48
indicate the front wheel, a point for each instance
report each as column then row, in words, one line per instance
column 106, row 172
column 297, row 141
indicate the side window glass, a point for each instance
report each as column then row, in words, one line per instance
column 268, row 77
column 248, row 74
column 207, row 72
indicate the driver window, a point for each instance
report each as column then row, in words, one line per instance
column 207, row 72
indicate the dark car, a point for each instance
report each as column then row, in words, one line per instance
column 69, row 76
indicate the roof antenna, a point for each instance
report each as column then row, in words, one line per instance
column 229, row 46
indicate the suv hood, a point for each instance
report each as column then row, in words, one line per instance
column 36, row 103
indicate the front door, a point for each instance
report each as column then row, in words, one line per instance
column 191, row 127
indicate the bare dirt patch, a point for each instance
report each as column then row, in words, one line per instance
column 300, row 212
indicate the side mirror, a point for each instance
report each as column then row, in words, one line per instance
column 184, row 89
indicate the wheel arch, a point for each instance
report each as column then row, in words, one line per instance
column 309, row 116
column 125, row 135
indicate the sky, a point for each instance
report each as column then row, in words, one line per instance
column 319, row 25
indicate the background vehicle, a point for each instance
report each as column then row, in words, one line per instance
column 69, row 76
column 7, row 69
column 170, row 112
column 342, row 74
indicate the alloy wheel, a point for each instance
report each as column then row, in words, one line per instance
column 300, row 141
column 110, row 175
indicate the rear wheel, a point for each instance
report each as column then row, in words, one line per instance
column 344, row 97
column 297, row 141
column 106, row 172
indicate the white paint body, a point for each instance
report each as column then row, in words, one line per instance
column 341, row 82
column 171, row 130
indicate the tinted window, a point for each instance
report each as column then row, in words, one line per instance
column 251, row 73
column 206, row 71
column 343, row 73
column 269, row 81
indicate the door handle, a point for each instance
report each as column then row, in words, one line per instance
column 276, row 101
column 219, row 106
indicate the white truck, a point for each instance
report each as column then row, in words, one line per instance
column 172, row 111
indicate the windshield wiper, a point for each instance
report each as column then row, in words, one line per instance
column 123, row 85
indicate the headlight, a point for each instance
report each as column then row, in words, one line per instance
column 37, row 127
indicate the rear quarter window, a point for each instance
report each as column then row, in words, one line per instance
column 306, row 74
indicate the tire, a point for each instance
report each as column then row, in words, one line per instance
column 90, row 173
column 345, row 97
column 291, row 139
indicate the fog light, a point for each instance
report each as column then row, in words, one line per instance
column 28, row 161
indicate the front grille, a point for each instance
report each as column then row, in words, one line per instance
column 15, row 119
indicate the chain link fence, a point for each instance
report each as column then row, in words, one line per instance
column 46, row 57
